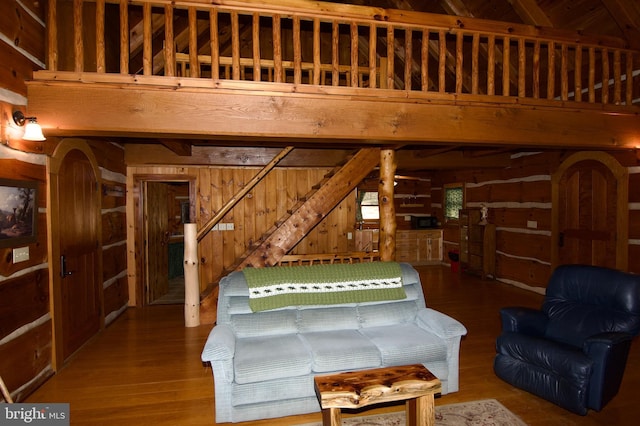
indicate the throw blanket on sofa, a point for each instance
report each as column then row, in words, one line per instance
column 276, row 287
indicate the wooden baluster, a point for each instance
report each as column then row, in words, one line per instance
column 592, row 75
column 146, row 39
column 424, row 61
column 522, row 68
column 475, row 72
column 169, row 42
column 577, row 74
column 316, row 51
column 629, row 77
column 408, row 58
column 459, row 59
column 124, row 37
column 297, row 51
column 536, row 70
column 100, row 58
column 605, row 76
column 77, row 36
column 214, row 41
column 52, row 36
column 277, row 50
column 564, row 72
column 354, row 54
column 235, row 46
column 373, row 77
column 335, row 47
column 491, row 65
column 506, row 66
column 551, row 71
column 390, row 57
column 194, row 65
column 255, row 39
column 617, row 77
column 442, row 61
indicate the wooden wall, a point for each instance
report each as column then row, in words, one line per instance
column 25, row 316
column 518, row 195
column 254, row 215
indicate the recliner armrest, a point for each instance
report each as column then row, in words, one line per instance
column 221, row 344
column 523, row 320
column 609, row 351
column 440, row 324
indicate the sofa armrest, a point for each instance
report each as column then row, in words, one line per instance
column 440, row 324
column 221, row 344
column 523, row 320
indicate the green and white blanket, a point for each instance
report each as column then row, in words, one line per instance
column 271, row 288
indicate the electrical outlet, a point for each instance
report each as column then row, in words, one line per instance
column 230, row 226
column 349, row 236
column 533, row 224
column 20, row 254
column 407, row 218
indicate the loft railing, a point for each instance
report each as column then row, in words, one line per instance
column 339, row 45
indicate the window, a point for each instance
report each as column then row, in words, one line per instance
column 368, row 201
column 453, row 200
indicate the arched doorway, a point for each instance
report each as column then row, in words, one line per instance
column 590, row 211
column 74, row 248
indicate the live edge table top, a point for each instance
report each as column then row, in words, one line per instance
column 358, row 389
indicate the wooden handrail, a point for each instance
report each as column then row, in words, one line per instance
column 458, row 55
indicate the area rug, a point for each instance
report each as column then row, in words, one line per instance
column 486, row 412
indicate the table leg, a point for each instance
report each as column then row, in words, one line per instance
column 420, row 411
column 331, row 417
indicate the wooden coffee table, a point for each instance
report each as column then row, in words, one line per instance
column 411, row 383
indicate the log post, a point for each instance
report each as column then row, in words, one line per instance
column 387, row 245
column 191, row 282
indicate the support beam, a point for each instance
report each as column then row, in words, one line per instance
column 387, row 245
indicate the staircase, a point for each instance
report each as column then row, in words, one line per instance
column 302, row 218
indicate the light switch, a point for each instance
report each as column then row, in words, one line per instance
column 20, row 254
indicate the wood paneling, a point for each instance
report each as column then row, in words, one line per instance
column 15, row 69
column 113, row 227
column 116, row 295
column 114, row 261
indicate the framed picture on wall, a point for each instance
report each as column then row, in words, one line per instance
column 18, row 212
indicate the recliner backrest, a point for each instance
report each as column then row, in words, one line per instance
column 583, row 300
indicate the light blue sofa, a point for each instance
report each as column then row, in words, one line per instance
column 263, row 363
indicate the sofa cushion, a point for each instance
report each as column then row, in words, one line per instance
column 264, row 323
column 341, row 349
column 406, row 344
column 270, row 357
column 390, row 313
column 327, row 318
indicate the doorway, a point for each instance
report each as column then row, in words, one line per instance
column 590, row 211
column 165, row 206
column 75, row 248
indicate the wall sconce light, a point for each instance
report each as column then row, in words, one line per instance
column 32, row 130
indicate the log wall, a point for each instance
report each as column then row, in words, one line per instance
column 517, row 195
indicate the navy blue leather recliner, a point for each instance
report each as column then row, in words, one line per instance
column 573, row 351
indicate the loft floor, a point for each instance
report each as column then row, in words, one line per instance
column 145, row 368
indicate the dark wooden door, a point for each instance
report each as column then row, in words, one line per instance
column 587, row 215
column 157, row 240
column 79, row 214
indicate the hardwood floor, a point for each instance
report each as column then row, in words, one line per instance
column 145, row 368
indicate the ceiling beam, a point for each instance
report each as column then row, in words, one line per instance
column 137, row 110
column 531, row 13
column 627, row 18
column 180, row 147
